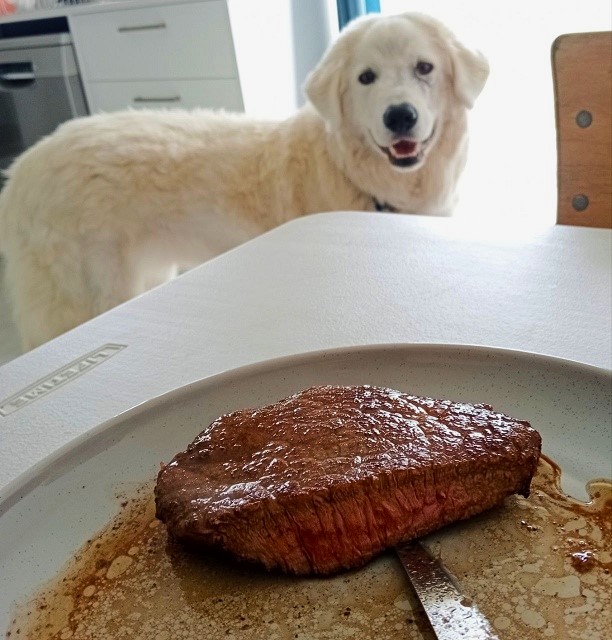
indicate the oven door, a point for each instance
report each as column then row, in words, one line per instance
column 39, row 89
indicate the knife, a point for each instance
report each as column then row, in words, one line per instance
column 452, row 615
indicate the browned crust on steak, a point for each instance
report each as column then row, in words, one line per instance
column 328, row 478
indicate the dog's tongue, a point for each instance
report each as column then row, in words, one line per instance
column 404, row 148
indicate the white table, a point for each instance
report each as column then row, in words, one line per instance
column 323, row 281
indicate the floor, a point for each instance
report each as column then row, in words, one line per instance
column 9, row 340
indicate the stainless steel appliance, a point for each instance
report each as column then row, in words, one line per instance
column 40, row 88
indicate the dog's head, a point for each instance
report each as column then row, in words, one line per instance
column 391, row 80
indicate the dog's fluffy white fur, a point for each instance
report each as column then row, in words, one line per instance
column 112, row 204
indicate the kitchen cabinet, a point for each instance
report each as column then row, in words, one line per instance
column 157, row 55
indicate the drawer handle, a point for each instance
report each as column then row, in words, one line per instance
column 142, row 27
column 160, row 99
column 16, row 76
column 18, row 72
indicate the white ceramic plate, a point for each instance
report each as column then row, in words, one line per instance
column 57, row 506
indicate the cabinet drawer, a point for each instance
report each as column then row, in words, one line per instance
column 175, row 41
column 187, row 94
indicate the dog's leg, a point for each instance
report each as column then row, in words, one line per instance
column 154, row 277
column 113, row 275
column 43, row 300
column 149, row 273
column 53, row 291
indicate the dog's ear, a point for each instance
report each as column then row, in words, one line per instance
column 470, row 73
column 469, row 69
column 325, row 85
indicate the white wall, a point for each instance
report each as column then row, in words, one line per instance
column 277, row 42
column 511, row 171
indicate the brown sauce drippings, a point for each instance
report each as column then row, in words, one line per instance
column 537, row 568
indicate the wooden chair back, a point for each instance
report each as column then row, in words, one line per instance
column 582, row 72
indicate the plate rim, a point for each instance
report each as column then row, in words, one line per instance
column 25, row 482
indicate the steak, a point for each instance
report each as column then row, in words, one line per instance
column 326, row 479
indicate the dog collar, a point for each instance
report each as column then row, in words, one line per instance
column 383, row 206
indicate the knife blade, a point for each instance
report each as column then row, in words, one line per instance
column 451, row 614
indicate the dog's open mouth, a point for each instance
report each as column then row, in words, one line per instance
column 406, row 152
column 403, row 149
column 403, row 153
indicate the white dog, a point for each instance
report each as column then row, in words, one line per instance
column 113, row 204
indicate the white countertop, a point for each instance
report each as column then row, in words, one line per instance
column 319, row 282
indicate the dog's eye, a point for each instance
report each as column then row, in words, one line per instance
column 424, row 68
column 367, row 77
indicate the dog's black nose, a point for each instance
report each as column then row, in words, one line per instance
column 400, row 118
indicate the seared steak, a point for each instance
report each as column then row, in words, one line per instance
column 327, row 478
